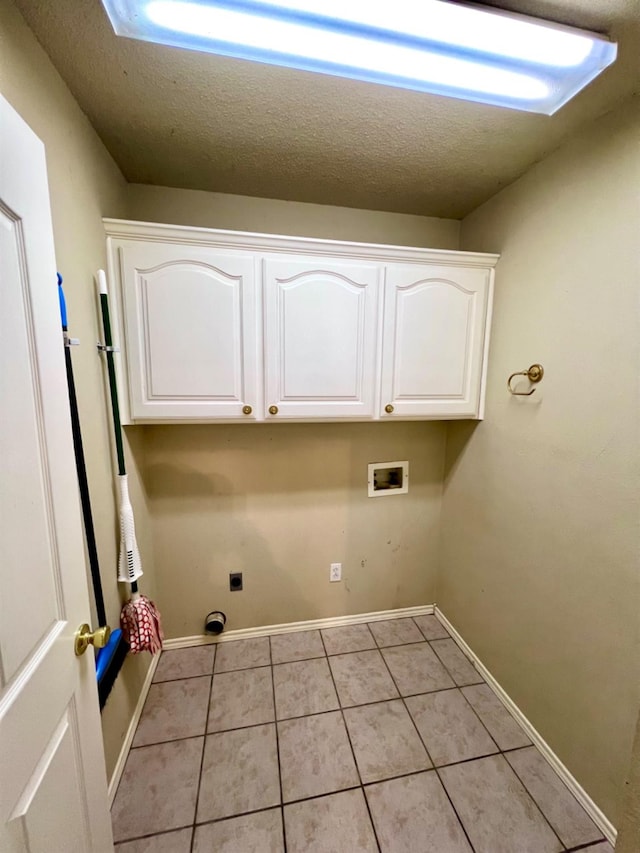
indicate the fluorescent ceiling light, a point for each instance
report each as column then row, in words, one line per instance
column 427, row 45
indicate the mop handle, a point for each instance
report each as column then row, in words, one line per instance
column 113, row 387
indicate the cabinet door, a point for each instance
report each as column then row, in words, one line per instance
column 321, row 320
column 190, row 327
column 433, row 342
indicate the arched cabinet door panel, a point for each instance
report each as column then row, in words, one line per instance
column 191, row 331
column 433, row 341
column 320, row 330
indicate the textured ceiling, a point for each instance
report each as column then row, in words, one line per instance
column 184, row 119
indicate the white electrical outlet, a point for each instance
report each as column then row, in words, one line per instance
column 335, row 572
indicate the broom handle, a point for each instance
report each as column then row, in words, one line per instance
column 81, row 468
column 113, row 387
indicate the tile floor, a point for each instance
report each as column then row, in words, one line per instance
column 378, row 737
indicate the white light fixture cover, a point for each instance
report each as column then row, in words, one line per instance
column 431, row 46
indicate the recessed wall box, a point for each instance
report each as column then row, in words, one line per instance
column 388, row 478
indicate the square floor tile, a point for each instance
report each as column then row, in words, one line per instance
column 299, row 645
column 385, row 741
column 431, row 627
column 334, row 824
column 501, row 725
column 303, row 687
column 241, row 698
column 362, row 677
column 158, row 789
column 185, row 663
column 458, row 664
column 414, row 814
column 449, row 727
column 169, row 842
column 252, row 833
column 495, row 809
column 557, row 803
column 242, row 654
column 239, row 773
column 347, row 638
column 174, row 709
column 416, row 669
column 395, row 632
column 315, row 756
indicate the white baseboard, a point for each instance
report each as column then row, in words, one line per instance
column 133, row 725
column 595, row 813
column 289, row 627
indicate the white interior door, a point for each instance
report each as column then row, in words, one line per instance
column 53, row 794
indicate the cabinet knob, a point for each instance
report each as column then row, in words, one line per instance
column 273, row 410
column 246, row 410
column 388, row 408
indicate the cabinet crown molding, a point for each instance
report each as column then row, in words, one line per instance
column 124, row 229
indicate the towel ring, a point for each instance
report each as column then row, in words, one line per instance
column 534, row 374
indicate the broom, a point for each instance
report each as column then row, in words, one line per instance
column 139, row 619
column 110, row 658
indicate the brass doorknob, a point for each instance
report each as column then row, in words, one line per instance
column 246, row 410
column 273, row 410
column 388, row 408
column 85, row 637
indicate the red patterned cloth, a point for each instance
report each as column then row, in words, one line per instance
column 141, row 626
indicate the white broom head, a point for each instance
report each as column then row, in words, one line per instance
column 129, row 562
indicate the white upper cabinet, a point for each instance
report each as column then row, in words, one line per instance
column 231, row 326
column 433, row 341
column 320, row 330
column 190, row 331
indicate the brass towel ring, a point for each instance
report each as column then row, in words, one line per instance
column 533, row 374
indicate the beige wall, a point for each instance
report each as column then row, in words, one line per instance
column 279, row 503
column 295, row 219
column 540, row 539
column 85, row 184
